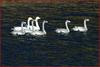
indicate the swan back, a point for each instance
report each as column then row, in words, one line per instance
column 75, row 28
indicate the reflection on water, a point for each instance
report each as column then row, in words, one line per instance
column 53, row 49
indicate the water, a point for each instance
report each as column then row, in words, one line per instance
column 53, row 49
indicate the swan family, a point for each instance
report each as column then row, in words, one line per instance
column 32, row 27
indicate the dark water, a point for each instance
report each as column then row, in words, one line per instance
column 53, row 49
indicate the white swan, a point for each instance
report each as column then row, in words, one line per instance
column 63, row 30
column 19, row 32
column 81, row 29
column 43, row 32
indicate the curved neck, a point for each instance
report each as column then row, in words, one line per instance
column 43, row 29
column 32, row 25
column 67, row 26
column 85, row 26
column 37, row 25
column 28, row 22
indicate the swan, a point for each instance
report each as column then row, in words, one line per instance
column 43, row 32
column 19, row 32
column 81, row 29
column 63, row 30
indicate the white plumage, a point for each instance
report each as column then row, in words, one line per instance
column 63, row 30
column 43, row 32
column 81, row 29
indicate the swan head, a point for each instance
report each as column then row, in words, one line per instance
column 87, row 19
column 68, row 21
column 30, row 18
column 23, row 22
column 37, row 18
column 45, row 21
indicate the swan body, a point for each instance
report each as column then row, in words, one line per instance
column 81, row 29
column 63, row 30
column 18, row 28
column 43, row 32
column 75, row 28
column 19, row 32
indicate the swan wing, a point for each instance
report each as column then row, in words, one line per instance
column 34, row 27
column 61, row 30
column 36, row 33
column 16, row 28
column 81, row 29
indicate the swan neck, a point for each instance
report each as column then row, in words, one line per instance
column 32, row 25
column 22, row 27
column 66, row 23
column 37, row 25
column 85, row 26
column 28, row 22
column 43, row 29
